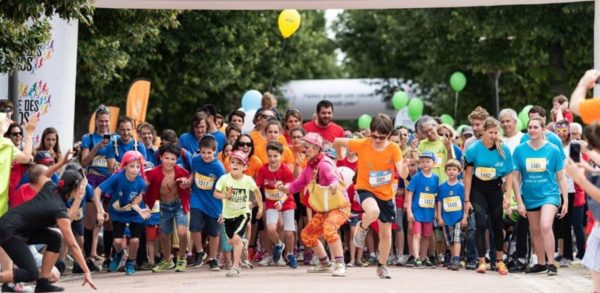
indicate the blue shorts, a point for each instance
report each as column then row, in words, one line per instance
column 199, row 221
column 169, row 212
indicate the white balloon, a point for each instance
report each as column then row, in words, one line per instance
column 347, row 175
column 248, row 124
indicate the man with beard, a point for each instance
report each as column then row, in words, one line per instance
column 324, row 125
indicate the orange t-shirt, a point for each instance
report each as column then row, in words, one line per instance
column 286, row 158
column 375, row 172
column 590, row 110
column 253, row 165
column 260, row 142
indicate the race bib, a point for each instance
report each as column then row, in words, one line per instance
column 534, row 165
column 204, row 182
column 427, row 200
column 485, row 174
column 439, row 159
column 273, row 194
column 380, row 178
column 452, row 204
column 156, row 208
column 99, row 161
column 79, row 215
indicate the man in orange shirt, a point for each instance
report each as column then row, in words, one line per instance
column 588, row 110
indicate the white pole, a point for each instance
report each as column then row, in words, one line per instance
column 596, row 42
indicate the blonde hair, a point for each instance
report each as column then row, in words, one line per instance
column 491, row 122
column 412, row 154
column 453, row 163
column 447, row 127
column 479, row 114
column 268, row 101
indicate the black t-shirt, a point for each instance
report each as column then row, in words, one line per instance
column 38, row 213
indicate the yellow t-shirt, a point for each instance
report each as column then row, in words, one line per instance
column 8, row 153
column 438, row 148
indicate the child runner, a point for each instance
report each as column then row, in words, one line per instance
column 377, row 158
column 126, row 207
column 234, row 188
column 420, row 195
column 449, row 212
column 412, row 157
column 278, row 203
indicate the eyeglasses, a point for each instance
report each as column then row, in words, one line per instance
column 6, row 110
column 379, row 137
column 292, row 111
column 102, row 110
column 244, row 144
column 263, row 116
column 13, row 134
column 446, row 135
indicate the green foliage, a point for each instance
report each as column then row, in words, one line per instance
column 24, row 25
column 193, row 58
column 540, row 51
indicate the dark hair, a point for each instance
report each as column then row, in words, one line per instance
column 561, row 99
column 289, row 113
column 382, row 123
column 70, row 181
column 197, row 118
column 169, row 136
column 208, row 141
column 11, row 126
column 395, row 132
column 169, row 148
column 298, row 129
column 124, row 119
column 272, row 122
column 237, row 113
column 324, row 104
column 275, row 146
column 56, row 149
column 237, row 142
column 230, row 128
column 539, row 110
column 149, row 126
column 592, row 135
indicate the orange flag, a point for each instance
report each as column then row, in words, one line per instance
column 137, row 101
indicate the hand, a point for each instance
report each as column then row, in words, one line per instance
column 283, row 188
column 259, row 213
column 521, row 209
column 447, row 143
column 414, row 143
column 564, row 209
column 221, row 219
column 183, row 182
column 441, row 222
column 410, row 216
column 588, row 80
column 506, row 202
column 584, row 146
column 32, row 123
column 229, row 193
column 333, row 189
column 468, row 208
column 577, row 170
column 145, row 214
column 68, row 157
column 278, row 205
column 101, row 217
column 300, row 158
column 464, row 222
column 87, row 279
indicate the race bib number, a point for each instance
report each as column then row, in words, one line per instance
column 204, row 182
column 273, row 194
column 380, row 178
column 79, row 215
column 100, row 161
column 452, row 204
column 536, row 165
column 427, row 200
column 485, row 174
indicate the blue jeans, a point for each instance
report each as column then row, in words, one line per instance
column 577, row 221
column 470, row 243
column 169, row 212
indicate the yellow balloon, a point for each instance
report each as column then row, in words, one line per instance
column 289, row 22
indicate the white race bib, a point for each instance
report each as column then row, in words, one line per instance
column 534, row 165
column 79, row 215
column 439, row 159
column 427, row 200
column 273, row 194
column 204, row 182
column 485, row 174
column 380, row 178
column 452, row 204
column 100, row 161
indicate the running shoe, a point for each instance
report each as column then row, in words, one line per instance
column 266, row 261
column 115, row 263
column 91, row 265
column 292, row 262
column 482, row 268
column 199, row 260
column 339, row 270
column 181, row 264
column 213, row 265
column 428, row 264
column 319, row 268
column 501, row 267
column 564, row 262
column 233, row 272
column 418, row 264
column 537, row 268
column 383, row 273
column 61, row 266
column 146, row 266
column 43, row 285
column 410, row 262
column 129, row 267
column 163, row 265
column 552, row 270
column 360, row 235
column 471, row 264
column 277, row 251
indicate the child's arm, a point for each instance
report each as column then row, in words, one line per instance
column 224, row 195
column 438, row 213
column 467, row 181
column 409, row 213
column 135, row 205
column 402, row 167
column 259, row 202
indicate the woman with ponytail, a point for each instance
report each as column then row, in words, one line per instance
column 488, row 161
column 30, row 223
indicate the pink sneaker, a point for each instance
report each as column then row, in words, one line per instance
column 258, row 256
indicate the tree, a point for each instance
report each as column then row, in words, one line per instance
column 209, row 57
column 539, row 51
column 25, row 25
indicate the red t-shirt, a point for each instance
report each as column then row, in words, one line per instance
column 267, row 179
column 22, row 195
column 346, row 163
column 16, row 173
column 329, row 133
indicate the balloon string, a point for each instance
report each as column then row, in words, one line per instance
column 277, row 64
column 455, row 105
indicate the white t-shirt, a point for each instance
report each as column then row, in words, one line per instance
column 513, row 142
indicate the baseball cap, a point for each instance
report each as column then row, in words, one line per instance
column 237, row 154
column 313, row 138
column 44, row 158
column 427, row 154
column 467, row 130
column 330, row 152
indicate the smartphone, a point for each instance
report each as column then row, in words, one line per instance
column 575, row 152
column 106, row 136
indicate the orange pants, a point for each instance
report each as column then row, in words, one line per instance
column 326, row 225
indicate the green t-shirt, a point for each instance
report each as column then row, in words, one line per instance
column 237, row 205
column 441, row 156
column 8, row 153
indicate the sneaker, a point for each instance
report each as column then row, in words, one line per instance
column 213, row 265
column 350, row 264
column 360, row 235
column 292, row 262
column 447, row 259
column 199, row 260
column 300, row 255
column 146, row 266
column 517, row 266
column 482, row 268
column 401, row 260
column 382, row 272
column 91, row 265
column 410, row 262
column 314, row 261
column 16, row 287
column 493, row 266
column 339, row 270
column 373, row 260
column 277, row 251
column 391, row 260
column 115, row 263
column 258, row 256
column 552, row 270
column 106, row 264
column 233, row 272
column 246, row 264
column 501, row 267
column 471, row 265
column 43, row 285
column 319, row 268
column 266, row 261
column 281, row 263
column 61, row 266
column 564, row 263
column 76, row 269
column 418, row 264
column 163, row 265
column 455, row 265
column 428, row 264
column 245, row 252
column 129, row 268
column 181, row 264
column 538, row 268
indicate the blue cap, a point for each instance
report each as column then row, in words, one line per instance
column 427, row 154
column 331, row 153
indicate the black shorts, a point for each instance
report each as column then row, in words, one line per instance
column 260, row 225
column 236, row 225
column 134, row 228
column 387, row 208
column 77, row 227
column 300, row 207
column 200, row 221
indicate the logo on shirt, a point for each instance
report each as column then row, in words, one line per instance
column 427, row 188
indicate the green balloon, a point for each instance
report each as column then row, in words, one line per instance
column 526, row 109
column 458, row 81
column 519, row 125
column 399, row 100
column 364, row 121
column 447, row 119
column 460, row 128
column 524, row 118
column 415, row 108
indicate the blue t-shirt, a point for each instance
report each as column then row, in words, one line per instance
column 550, row 137
column 205, row 176
column 123, row 148
column 487, row 163
column 452, row 198
column 152, row 156
column 25, row 179
column 122, row 192
column 184, row 160
column 89, row 195
column 221, row 140
column 98, row 164
column 424, row 193
column 189, row 142
column 538, row 170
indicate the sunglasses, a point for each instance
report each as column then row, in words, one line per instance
column 297, row 137
column 379, row 137
column 244, row 144
column 292, row 111
column 6, row 110
column 263, row 116
column 102, row 110
column 16, row 134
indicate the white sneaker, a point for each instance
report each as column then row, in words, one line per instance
column 233, row 272
column 339, row 270
column 314, row 261
column 401, row 260
column 391, row 259
column 319, row 268
column 360, row 236
column 281, row 263
column 266, row 261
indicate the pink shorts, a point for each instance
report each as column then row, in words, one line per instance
column 425, row 229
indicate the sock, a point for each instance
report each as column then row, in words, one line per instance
column 456, row 258
column 339, row 259
column 324, row 261
column 380, row 264
column 279, row 243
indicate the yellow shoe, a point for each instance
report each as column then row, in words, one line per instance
column 481, row 268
